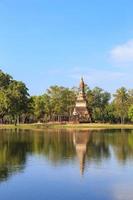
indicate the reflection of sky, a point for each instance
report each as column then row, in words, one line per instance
column 123, row 191
column 42, row 180
column 54, row 173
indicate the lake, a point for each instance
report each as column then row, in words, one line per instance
column 66, row 165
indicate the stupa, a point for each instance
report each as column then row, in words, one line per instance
column 81, row 112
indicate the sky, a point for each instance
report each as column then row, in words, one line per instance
column 55, row 42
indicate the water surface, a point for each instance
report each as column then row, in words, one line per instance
column 62, row 165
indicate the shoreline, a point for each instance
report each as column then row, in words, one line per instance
column 67, row 126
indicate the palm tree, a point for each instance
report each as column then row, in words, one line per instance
column 121, row 98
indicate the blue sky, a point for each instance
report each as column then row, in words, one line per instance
column 48, row 42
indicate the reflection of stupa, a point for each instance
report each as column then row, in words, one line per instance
column 81, row 112
column 80, row 141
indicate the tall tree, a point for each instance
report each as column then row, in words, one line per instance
column 4, row 104
column 38, row 107
column 60, row 100
column 19, row 98
column 121, row 102
column 98, row 99
column 5, row 80
column 130, row 113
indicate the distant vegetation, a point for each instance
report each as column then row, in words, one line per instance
column 16, row 105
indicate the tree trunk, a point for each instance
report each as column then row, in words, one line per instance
column 18, row 119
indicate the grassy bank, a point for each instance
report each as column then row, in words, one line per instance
column 69, row 126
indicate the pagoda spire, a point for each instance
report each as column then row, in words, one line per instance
column 81, row 112
column 82, row 85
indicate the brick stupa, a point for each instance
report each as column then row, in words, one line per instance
column 81, row 112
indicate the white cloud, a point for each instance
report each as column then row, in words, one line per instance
column 109, row 79
column 106, row 79
column 96, row 75
column 123, row 53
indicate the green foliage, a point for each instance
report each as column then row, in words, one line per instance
column 56, row 101
column 4, row 103
column 38, row 107
column 109, row 113
column 5, row 80
column 19, row 97
column 14, row 97
column 130, row 113
column 16, row 104
column 59, row 101
column 98, row 99
column 121, row 103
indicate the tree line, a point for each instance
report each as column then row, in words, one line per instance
column 16, row 105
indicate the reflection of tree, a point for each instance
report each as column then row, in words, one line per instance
column 121, row 142
column 16, row 145
column 56, row 146
column 12, row 153
column 97, row 146
column 98, row 149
